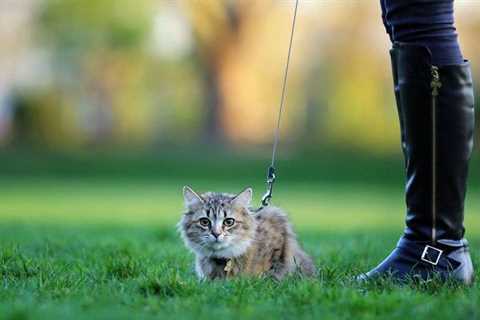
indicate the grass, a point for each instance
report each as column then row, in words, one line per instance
column 143, row 272
column 105, row 247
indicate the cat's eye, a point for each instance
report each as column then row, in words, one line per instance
column 228, row 222
column 204, row 222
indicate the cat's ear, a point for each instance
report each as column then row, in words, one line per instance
column 244, row 198
column 191, row 197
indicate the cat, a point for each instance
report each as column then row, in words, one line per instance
column 229, row 239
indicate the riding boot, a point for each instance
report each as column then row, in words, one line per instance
column 435, row 107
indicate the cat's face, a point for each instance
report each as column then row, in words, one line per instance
column 217, row 224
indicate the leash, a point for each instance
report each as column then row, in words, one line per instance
column 271, row 171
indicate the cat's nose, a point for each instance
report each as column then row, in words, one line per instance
column 215, row 234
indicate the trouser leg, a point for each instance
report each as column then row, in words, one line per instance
column 429, row 23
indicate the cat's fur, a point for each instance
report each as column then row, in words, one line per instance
column 260, row 243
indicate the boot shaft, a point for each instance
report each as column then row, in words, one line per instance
column 435, row 106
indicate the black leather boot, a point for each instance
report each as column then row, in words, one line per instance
column 435, row 106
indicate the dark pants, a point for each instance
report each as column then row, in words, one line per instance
column 426, row 22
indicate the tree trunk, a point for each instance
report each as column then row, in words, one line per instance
column 212, row 131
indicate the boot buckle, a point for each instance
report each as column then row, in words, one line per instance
column 431, row 255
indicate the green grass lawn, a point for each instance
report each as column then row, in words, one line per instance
column 106, row 248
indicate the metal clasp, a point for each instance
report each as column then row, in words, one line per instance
column 431, row 257
column 270, row 180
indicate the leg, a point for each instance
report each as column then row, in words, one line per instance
column 429, row 23
column 434, row 96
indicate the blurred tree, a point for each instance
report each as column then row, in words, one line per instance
column 96, row 55
column 216, row 25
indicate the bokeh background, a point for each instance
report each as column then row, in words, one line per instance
column 107, row 108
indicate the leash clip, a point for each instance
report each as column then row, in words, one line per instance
column 270, row 180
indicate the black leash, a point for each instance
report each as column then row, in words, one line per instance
column 271, row 176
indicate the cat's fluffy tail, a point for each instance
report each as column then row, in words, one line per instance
column 304, row 263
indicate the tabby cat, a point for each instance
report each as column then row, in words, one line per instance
column 229, row 239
